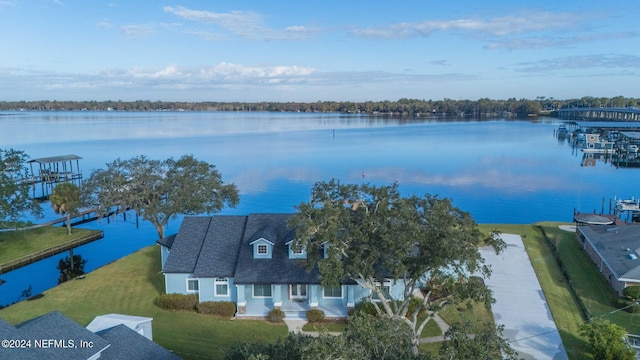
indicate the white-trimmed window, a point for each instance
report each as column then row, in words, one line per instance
column 221, row 286
column 386, row 290
column 261, row 290
column 193, row 286
column 332, row 292
column 262, row 249
column 296, row 250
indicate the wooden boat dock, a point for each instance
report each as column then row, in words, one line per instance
column 51, row 171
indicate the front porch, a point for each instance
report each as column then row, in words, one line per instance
column 293, row 310
column 293, row 304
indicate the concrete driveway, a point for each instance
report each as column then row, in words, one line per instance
column 520, row 303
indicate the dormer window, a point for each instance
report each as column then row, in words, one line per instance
column 265, row 238
column 262, row 248
column 325, row 250
column 296, row 251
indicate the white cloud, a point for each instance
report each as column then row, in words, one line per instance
column 235, row 72
column 526, row 22
column 229, row 81
column 105, row 25
column 245, row 24
column 605, row 61
column 170, row 71
column 441, row 62
column 555, row 41
column 143, row 30
column 140, row 30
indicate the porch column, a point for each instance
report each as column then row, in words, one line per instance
column 313, row 291
column 241, row 303
column 277, row 296
column 350, row 296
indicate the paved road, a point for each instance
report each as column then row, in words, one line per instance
column 520, row 303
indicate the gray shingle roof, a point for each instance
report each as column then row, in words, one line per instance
column 187, row 245
column 54, row 326
column 5, row 329
column 279, row 269
column 219, row 253
column 128, row 344
column 118, row 342
column 220, row 246
column 619, row 246
column 167, row 241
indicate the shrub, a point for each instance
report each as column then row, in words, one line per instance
column 177, row 301
column 315, row 315
column 365, row 307
column 275, row 316
column 414, row 303
column 221, row 308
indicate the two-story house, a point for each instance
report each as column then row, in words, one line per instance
column 252, row 261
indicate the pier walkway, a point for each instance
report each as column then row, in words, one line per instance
column 596, row 114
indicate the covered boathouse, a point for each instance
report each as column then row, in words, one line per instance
column 49, row 171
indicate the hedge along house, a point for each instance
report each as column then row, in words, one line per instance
column 615, row 249
column 251, row 260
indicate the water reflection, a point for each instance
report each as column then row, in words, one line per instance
column 613, row 143
column 500, row 171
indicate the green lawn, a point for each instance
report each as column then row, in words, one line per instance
column 564, row 308
column 18, row 244
column 478, row 315
column 326, row 326
column 130, row 286
column 598, row 297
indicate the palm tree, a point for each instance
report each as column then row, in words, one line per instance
column 70, row 267
column 65, row 199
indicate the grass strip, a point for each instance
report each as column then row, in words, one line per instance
column 600, row 300
column 21, row 243
column 130, row 286
column 563, row 305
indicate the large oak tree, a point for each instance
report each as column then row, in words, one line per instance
column 372, row 235
column 160, row 190
column 15, row 201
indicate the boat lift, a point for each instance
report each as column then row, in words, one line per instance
column 51, row 171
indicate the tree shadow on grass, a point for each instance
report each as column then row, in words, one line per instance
column 154, row 271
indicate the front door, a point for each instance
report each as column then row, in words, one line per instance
column 298, row 292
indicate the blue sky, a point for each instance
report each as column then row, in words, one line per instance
column 356, row 50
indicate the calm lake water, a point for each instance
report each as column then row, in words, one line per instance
column 500, row 171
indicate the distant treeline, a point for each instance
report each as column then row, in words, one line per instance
column 481, row 108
